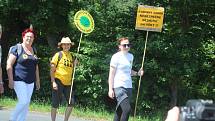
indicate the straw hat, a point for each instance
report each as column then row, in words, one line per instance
column 65, row 40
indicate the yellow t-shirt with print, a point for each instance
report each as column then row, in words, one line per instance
column 64, row 68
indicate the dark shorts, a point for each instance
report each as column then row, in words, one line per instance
column 63, row 90
column 121, row 93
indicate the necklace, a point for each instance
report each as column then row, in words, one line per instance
column 28, row 50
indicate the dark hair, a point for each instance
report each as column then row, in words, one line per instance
column 26, row 31
column 121, row 39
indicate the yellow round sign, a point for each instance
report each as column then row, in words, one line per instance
column 84, row 21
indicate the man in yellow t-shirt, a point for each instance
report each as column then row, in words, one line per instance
column 61, row 77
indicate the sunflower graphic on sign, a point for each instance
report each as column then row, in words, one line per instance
column 84, row 21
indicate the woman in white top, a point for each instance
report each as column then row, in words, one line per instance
column 120, row 82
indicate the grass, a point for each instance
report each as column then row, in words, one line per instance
column 85, row 113
column 81, row 112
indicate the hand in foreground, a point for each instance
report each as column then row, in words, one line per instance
column 173, row 114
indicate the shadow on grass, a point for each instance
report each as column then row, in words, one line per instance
column 2, row 107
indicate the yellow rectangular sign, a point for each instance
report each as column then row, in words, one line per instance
column 149, row 18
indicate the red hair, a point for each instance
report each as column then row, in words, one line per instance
column 121, row 39
column 26, row 31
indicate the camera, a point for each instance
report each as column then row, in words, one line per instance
column 198, row 110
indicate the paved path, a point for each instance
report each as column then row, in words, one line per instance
column 36, row 116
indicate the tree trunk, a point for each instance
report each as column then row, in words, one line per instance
column 174, row 93
column 52, row 41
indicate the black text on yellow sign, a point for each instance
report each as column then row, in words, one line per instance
column 149, row 18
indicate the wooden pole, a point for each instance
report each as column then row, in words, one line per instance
column 73, row 74
column 138, row 91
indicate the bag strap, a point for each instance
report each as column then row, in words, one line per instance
column 19, row 49
column 34, row 50
column 59, row 57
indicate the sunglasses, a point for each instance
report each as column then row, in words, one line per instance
column 126, row 45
